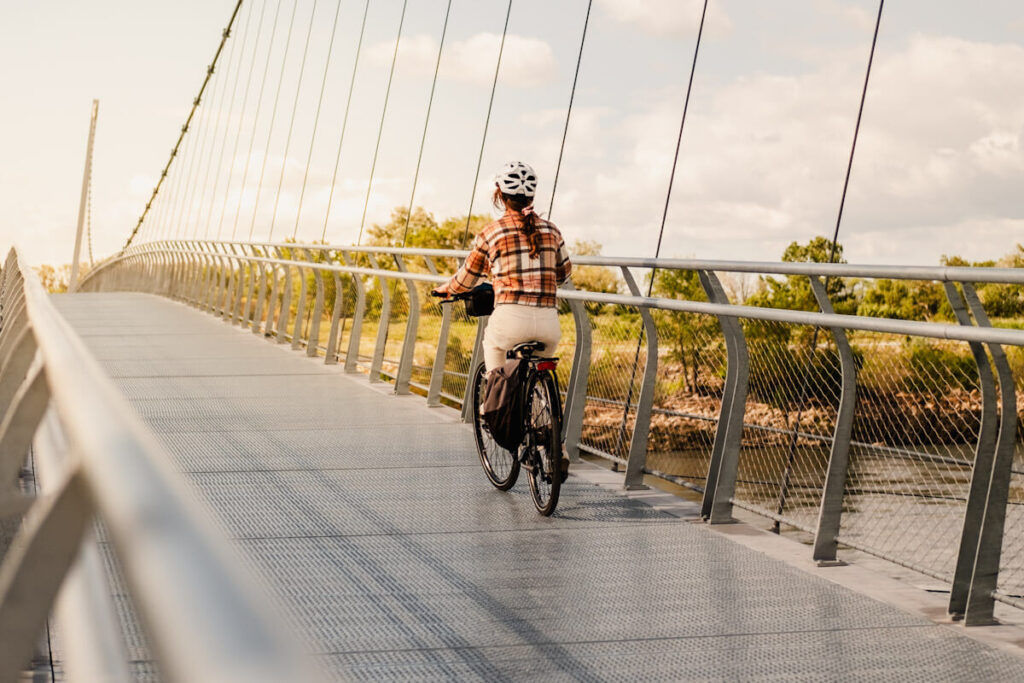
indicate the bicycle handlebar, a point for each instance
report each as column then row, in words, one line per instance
column 449, row 298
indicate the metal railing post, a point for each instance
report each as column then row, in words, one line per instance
column 217, row 281
column 985, row 577
column 33, row 570
column 716, row 506
column 267, row 270
column 475, row 359
column 272, row 302
column 21, row 419
column 285, row 315
column 333, row 337
column 257, row 277
column 355, row 335
column 981, row 470
column 377, row 362
column 313, row 343
column 637, row 456
column 576, row 390
column 437, row 369
column 830, row 512
column 245, row 274
column 230, row 287
column 408, row 356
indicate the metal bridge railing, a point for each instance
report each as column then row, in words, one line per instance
column 897, row 437
column 93, row 460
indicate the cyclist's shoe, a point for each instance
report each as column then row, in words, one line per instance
column 547, row 462
column 524, row 458
column 565, row 468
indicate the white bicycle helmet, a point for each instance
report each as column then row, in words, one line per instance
column 517, row 178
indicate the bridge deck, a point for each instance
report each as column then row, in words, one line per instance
column 367, row 515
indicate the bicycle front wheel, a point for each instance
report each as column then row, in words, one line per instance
column 500, row 466
column 544, row 439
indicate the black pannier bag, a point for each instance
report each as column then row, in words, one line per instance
column 503, row 406
column 480, row 300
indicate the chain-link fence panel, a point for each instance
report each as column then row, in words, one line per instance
column 795, row 382
column 915, row 431
column 618, row 355
column 687, row 396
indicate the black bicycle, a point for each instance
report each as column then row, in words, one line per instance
column 540, row 451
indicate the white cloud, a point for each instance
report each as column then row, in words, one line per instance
column 525, row 62
column 851, row 14
column 669, row 17
column 938, row 167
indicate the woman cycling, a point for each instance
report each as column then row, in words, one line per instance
column 526, row 258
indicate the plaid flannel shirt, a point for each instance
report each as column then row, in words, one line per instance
column 502, row 250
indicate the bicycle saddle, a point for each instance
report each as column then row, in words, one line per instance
column 526, row 348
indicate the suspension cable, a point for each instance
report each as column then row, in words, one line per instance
column 568, row 112
column 344, row 120
column 487, row 123
column 661, row 230
column 679, row 142
column 241, row 122
column 187, row 167
column 173, row 200
column 273, row 119
column 383, row 115
column 211, row 135
column 166, row 199
column 256, row 118
column 183, row 179
column 184, row 128
column 316, row 117
column 426, row 121
column 227, row 123
column 195, row 153
column 805, row 380
column 291, row 124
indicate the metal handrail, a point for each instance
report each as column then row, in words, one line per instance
column 221, row 276
column 990, row 335
column 830, row 270
column 199, row 611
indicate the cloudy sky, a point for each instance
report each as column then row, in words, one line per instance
column 939, row 166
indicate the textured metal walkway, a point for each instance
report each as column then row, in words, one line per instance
column 368, row 516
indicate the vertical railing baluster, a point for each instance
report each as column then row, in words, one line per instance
column 716, row 506
column 637, row 455
column 437, row 370
column 985, row 577
column 830, row 512
column 331, row 352
column 356, row 334
column 981, row 470
column 377, row 362
column 403, row 376
column 313, row 343
column 576, row 390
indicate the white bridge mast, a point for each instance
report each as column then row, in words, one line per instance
column 86, row 179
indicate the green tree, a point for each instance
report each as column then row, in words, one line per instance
column 1000, row 300
column 424, row 231
column 55, row 279
column 599, row 279
column 686, row 334
column 794, row 291
column 903, row 299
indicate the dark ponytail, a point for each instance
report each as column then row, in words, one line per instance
column 531, row 221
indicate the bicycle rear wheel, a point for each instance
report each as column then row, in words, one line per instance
column 544, row 439
column 500, row 466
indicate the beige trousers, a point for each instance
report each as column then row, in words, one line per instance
column 512, row 324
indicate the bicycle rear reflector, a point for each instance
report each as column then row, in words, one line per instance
column 546, row 365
